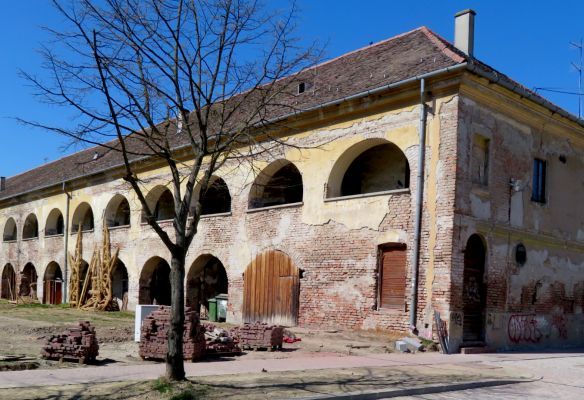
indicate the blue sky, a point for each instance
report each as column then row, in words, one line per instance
column 528, row 40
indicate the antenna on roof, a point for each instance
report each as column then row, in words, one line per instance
column 579, row 68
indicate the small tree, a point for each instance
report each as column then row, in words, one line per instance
column 186, row 83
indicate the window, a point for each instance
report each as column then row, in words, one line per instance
column 539, row 173
column 480, row 161
column 392, row 277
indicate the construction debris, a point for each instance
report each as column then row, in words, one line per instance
column 77, row 343
column 259, row 335
column 219, row 341
column 154, row 335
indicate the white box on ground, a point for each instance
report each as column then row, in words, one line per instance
column 142, row 311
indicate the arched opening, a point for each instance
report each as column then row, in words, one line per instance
column 474, row 290
column 216, row 199
column 28, row 281
column 279, row 183
column 53, row 284
column 155, row 282
column 9, row 234
column 161, row 203
column 120, row 285
column 117, row 212
column 370, row 166
column 30, row 230
column 271, row 289
column 83, row 216
column 55, row 223
column 8, row 283
column 206, row 279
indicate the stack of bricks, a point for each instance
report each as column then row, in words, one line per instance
column 77, row 343
column 259, row 335
column 154, row 335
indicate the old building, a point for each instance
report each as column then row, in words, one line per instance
column 339, row 233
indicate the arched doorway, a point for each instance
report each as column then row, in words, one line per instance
column 205, row 280
column 155, row 282
column 271, row 289
column 28, row 281
column 120, row 285
column 53, row 284
column 8, row 283
column 474, row 290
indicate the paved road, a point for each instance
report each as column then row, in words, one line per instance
column 562, row 377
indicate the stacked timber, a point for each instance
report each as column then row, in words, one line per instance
column 76, row 343
column 219, row 341
column 259, row 335
column 154, row 335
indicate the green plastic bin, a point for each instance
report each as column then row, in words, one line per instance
column 213, row 310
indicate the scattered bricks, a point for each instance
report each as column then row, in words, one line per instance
column 77, row 343
column 259, row 335
column 154, row 335
column 219, row 341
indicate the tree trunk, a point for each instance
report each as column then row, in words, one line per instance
column 175, row 369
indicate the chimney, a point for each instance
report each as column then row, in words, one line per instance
column 2, row 183
column 464, row 31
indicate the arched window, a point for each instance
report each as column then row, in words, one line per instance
column 55, row 223
column 279, row 183
column 83, row 216
column 30, row 230
column 9, row 234
column 117, row 212
column 370, row 166
column 216, row 199
column 161, row 203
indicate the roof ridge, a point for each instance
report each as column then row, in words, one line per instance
column 444, row 45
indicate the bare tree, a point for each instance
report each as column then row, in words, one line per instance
column 189, row 84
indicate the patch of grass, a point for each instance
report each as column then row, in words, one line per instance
column 162, row 385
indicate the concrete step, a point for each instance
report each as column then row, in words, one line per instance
column 476, row 350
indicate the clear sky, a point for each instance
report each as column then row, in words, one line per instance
column 527, row 40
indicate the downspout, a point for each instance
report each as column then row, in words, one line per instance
column 66, row 243
column 419, row 208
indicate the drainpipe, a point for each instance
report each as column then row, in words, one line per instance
column 66, row 244
column 418, row 207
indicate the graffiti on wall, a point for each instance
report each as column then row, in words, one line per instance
column 522, row 328
column 561, row 324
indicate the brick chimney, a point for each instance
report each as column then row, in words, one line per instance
column 2, row 183
column 464, row 31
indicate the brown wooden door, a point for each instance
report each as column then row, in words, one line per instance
column 392, row 292
column 474, row 291
column 271, row 289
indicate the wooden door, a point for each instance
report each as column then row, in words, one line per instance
column 271, row 289
column 392, row 288
column 474, row 291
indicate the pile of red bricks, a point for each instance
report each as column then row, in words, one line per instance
column 219, row 341
column 154, row 335
column 259, row 335
column 77, row 343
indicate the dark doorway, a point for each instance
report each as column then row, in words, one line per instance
column 474, row 291
column 155, row 282
column 206, row 279
column 120, row 285
column 8, row 283
column 28, row 281
column 53, row 284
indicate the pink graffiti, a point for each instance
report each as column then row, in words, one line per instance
column 559, row 322
column 523, row 328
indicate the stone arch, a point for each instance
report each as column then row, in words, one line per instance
column 8, row 287
column 206, row 279
column 83, row 216
column 10, row 231
column 155, row 282
column 117, row 212
column 30, row 229
column 370, row 166
column 53, row 284
column 120, row 283
column 216, row 199
column 28, row 281
column 279, row 183
column 55, row 224
column 161, row 203
column 271, row 289
column 474, row 293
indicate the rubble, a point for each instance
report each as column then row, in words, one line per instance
column 77, row 343
column 219, row 341
column 154, row 335
column 259, row 335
